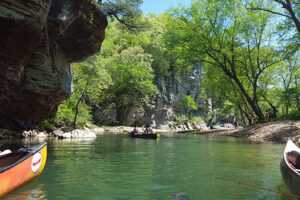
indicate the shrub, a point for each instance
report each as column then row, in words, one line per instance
column 196, row 119
column 294, row 115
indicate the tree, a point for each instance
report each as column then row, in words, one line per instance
column 131, row 71
column 89, row 81
column 133, row 59
column 132, row 87
column 289, row 73
column 224, row 34
column 217, row 86
column 125, row 11
column 188, row 104
column 288, row 9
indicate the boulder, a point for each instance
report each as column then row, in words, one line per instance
column 34, row 134
column 39, row 39
column 77, row 133
column 97, row 131
column 189, row 126
column 228, row 125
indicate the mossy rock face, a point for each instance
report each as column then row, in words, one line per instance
column 39, row 40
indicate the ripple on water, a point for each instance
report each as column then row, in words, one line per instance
column 119, row 167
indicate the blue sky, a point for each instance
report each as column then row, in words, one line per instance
column 160, row 6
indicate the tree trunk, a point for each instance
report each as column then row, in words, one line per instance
column 76, row 113
column 253, row 103
column 297, row 94
column 242, row 114
column 289, row 8
column 78, row 102
column 124, row 115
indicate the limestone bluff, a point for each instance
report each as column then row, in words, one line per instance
column 39, row 39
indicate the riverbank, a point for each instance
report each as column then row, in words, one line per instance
column 279, row 131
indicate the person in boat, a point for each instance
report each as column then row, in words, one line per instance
column 148, row 129
column 135, row 130
column 293, row 157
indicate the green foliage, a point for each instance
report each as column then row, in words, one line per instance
column 135, row 55
column 288, row 14
column 121, row 75
column 132, row 87
column 180, row 120
column 288, row 95
column 227, row 108
column 198, row 119
column 66, row 113
column 149, row 39
column 294, row 115
column 245, row 71
column 189, row 104
column 46, row 124
column 124, row 11
column 235, row 45
column 133, row 59
column 90, row 79
column 132, row 82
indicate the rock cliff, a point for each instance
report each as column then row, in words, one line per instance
column 167, row 104
column 39, row 39
column 172, row 88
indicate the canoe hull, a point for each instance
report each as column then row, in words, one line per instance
column 25, row 170
column 290, row 177
column 146, row 136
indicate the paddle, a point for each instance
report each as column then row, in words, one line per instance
column 259, row 187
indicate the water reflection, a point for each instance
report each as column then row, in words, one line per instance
column 119, row 167
column 28, row 192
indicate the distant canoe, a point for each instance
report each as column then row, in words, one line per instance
column 144, row 135
column 21, row 166
column 290, row 176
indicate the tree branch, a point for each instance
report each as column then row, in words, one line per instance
column 271, row 11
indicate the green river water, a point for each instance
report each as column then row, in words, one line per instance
column 118, row 167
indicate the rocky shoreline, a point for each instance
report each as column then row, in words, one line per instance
column 278, row 132
column 60, row 133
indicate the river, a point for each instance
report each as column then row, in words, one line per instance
column 118, row 167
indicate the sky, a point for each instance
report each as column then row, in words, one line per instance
column 160, row 6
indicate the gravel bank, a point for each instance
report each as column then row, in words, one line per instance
column 279, row 131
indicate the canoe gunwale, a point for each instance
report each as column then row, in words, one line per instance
column 30, row 151
column 290, row 146
column 290, row 176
